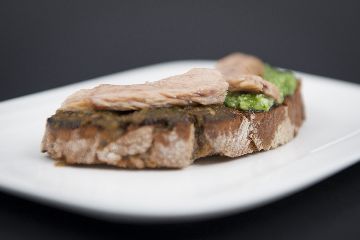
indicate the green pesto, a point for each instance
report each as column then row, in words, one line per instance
column 249, row 101
column 283, row 79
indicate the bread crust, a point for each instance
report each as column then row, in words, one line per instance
column 173, row 139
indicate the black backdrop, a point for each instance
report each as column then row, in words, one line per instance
column 44, row 44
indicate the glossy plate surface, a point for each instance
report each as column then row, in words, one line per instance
column 328, row 142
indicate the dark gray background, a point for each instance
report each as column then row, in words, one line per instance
column 44, row 44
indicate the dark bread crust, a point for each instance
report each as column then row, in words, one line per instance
column 169, row 137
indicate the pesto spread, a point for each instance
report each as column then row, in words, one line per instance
column 283, row 79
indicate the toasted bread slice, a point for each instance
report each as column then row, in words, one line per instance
column 169, row 137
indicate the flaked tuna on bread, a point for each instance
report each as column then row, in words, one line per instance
column 239, row 107
column 198, row 86
column 244, row 73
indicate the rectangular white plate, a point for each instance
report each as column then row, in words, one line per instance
column 328, row 142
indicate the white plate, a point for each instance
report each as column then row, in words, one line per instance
column 328, row 142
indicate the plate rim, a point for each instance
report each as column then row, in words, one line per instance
column 103, row 214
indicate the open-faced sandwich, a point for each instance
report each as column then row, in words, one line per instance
column 239, row 107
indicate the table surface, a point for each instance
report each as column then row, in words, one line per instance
column 46, row 44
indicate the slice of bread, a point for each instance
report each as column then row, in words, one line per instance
column 169, row 137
